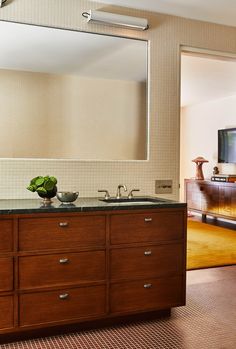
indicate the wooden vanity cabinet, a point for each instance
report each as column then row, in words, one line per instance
column 62, row 305
column 6, row 235
column 61, row 232
column 59, row 269
column 6, row 275
column 147, row 261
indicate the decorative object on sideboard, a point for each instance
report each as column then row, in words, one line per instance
column 230, row 178
column 215, row 170
column 199, row 161
column 45, row 187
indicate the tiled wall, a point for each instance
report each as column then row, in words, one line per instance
column 165, row 35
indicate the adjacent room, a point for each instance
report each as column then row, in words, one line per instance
column 208, row 104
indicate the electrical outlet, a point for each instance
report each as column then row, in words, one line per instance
column 163, row 186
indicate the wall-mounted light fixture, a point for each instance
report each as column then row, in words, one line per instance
column 2, row 2
column 117, row 20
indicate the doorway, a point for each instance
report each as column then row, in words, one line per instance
column 208, row 103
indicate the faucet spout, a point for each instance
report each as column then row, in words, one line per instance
column 118, row 194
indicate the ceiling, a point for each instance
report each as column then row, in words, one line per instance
column 216, row 11
column 204, row 79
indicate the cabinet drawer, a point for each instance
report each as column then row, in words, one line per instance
column 149, row 261
column 66, row 304
column 58, row 269
column 61, row 232
column 6, row 273
column 6, row 235
column 146, row 227
column 6, row 312
column 147, row 294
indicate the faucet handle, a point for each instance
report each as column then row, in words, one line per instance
column 130, row 196
column 107, row 195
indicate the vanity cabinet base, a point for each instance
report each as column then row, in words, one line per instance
column 78, row 270
column 83, row 325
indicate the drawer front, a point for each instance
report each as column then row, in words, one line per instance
column 6, row 312
column 146, row 227
column 6, row 274
column 149, row 294
column 58, row 269
column 149, row 261
column 61, row 232
column 6, row 235
column 66, row 304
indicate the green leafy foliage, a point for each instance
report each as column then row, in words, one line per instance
column 43, row 185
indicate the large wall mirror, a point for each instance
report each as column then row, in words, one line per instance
column 72, row 95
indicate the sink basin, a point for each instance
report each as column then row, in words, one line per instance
column 134, row 200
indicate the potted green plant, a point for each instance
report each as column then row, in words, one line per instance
column 44, row 186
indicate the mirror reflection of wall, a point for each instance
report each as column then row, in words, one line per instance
column 72, row 100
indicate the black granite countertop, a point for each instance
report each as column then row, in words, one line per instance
column 27, row 206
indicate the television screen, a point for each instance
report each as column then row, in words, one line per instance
column 227, row 146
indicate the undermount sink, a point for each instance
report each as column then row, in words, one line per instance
column 134, row 200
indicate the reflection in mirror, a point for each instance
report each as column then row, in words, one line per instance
column 71, row 95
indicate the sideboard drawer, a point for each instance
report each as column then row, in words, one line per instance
column 146, row 227
column 6, row 274
column 62, row 305
column 148, row 294
column 149, row 261
column 6, row 312
column 61, row 232
column 6, row 235
column 59, row 269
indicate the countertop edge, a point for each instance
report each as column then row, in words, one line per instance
column 21, row 206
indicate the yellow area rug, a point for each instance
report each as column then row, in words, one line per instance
column 209, row 246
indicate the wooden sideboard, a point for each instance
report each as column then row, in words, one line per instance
column 64, row 268
column 217, row 199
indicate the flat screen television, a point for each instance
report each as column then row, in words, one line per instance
column 227, row 145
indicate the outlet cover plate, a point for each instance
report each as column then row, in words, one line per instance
column 163, row 186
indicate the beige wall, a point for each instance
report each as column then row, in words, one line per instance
column 199, row 126
column 69, row 117
column 166, row 35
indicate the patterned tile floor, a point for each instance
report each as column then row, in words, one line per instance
column 207, row 322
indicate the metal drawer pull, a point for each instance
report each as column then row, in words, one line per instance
column 147, row 285
column 147, row 253
column 147, row 219
column 63, row 224
column 64, row 260
column 64, row 296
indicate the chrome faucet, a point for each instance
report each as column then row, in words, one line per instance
column 118, row 194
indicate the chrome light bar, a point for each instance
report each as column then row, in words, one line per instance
column 117, row 20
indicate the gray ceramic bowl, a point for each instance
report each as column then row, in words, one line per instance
column 66, row 197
